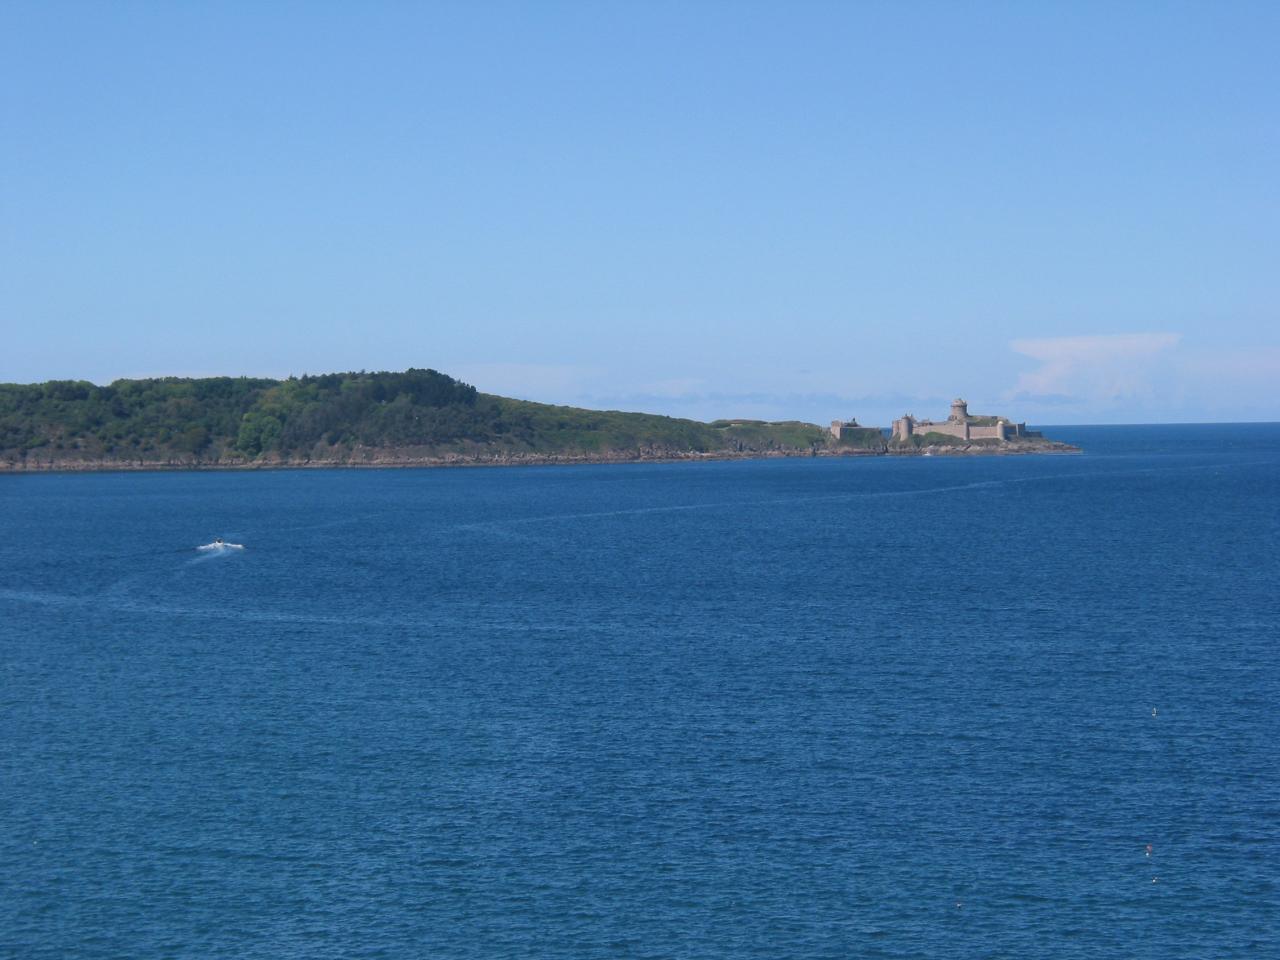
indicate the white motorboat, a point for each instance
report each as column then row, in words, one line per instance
column 220, row 544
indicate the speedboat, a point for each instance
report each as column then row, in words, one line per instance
column 220, row 544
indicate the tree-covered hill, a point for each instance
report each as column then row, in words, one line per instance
column 340, row 417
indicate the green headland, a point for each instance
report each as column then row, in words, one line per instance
column 413, row 418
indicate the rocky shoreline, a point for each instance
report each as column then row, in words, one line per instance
column 980, row 449
column 388, row 459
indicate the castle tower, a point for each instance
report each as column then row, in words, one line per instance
column 959, row 411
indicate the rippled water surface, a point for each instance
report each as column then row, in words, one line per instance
column 805, row 708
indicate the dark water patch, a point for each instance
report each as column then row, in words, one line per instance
column 789, row 708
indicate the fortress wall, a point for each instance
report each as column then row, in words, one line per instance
column 947, row 429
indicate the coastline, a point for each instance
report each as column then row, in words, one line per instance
column 375, row 459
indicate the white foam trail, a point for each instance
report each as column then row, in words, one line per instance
column 497, row 525
column 126, row 605
column 220, row 545
column 43, row 599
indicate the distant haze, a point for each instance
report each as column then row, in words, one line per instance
column 1063, row 213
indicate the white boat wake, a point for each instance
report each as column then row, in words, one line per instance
column 220, row 544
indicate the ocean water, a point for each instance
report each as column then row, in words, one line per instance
column 806, row 708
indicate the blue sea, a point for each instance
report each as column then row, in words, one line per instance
column 931, row 707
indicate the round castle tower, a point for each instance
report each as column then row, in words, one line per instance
column 959, row 411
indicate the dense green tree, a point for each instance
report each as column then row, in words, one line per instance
column 171, row 418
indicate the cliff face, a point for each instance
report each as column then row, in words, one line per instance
column 369, row 457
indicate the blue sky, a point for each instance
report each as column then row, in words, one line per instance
column 1064, row 212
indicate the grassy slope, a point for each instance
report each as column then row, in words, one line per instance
column 327, row 417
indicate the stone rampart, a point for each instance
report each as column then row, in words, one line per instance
column 946, row 428
column 960, row 425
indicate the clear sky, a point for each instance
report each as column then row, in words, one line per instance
column 1065, row 212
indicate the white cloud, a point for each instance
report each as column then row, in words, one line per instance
column 1229, row 383
column 1092, row 370
column 1233, row 366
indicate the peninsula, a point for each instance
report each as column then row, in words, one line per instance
column 414, row 418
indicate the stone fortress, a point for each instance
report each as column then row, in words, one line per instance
column 960, row 425
column 963, row 426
